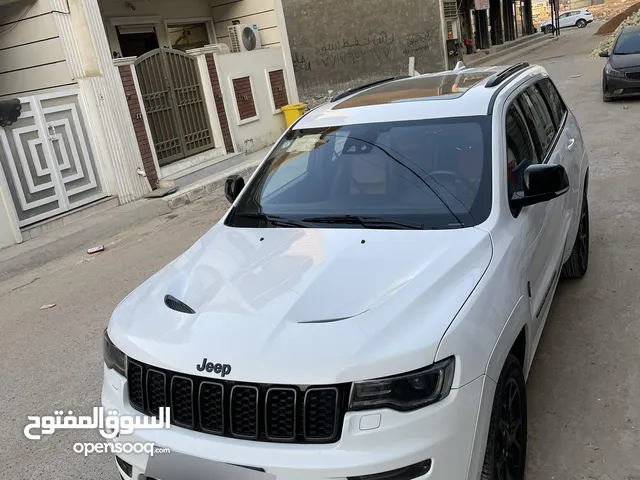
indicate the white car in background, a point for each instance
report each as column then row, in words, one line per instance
column 573, row 18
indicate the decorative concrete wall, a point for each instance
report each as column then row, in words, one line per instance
column 361, row 40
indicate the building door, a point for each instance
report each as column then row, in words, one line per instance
column 136, row 41
column 173, row 97
column 47, row 159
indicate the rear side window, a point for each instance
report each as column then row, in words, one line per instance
column 556, row 105
column 520, row 153
column 539, row 120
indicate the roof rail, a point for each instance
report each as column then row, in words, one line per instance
column 359, row 88
column 498, row 78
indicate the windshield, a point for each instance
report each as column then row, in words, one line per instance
column 628, row 44
column 433, row 174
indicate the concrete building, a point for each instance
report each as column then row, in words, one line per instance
column 120, row 97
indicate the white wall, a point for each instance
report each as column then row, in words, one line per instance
column 260, row 12
column 264, row 131
column 32, row 59
column 9, row 231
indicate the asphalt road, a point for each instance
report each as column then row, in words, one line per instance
column 584, row 388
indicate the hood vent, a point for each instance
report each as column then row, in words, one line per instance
column 174, row 304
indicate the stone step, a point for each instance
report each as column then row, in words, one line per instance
column 525, row 44
column 194, row 174
column 511, row 57
column 213, row 185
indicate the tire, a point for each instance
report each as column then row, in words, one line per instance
column 581, row 23
column 605, row 97
column 508, row 425
column 578, row 263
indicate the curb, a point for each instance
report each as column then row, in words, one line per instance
column 497, row 58
column 211, row 186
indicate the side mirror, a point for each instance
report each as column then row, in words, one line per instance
column 604, row 54
column 541, row 184
column 233, row 187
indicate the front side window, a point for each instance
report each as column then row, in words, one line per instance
column 520, row 152
column 433, row 174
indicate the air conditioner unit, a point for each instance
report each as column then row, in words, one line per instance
column 244, row 38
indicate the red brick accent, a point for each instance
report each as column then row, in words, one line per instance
column 144, row 143
column 278, row 89
column 222, row 112
column 244, row 98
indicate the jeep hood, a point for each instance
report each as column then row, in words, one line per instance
column 304, row 306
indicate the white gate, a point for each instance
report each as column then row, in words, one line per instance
column 47, row 159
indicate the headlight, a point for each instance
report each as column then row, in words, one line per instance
column 406, row 392
column 612, row 72
column 113, row 357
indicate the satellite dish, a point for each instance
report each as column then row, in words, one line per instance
column 249, row 38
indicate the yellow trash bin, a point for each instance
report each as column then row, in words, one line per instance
column 293, row 112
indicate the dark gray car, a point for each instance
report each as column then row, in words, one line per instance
column 621, row 76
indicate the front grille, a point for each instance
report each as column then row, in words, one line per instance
column 259, row 412
column 633, row 75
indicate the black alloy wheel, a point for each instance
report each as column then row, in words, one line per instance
column 581, row 23
column 578, row 263
column 506, row 452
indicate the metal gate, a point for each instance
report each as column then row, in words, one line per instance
column 46, row 158
column 172, row 93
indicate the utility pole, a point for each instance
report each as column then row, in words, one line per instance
column 9, row 111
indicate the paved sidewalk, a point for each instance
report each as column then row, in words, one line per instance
column 98, row 229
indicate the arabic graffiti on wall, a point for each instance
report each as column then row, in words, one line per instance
column 416, row 43
column 370, row 49
column 354, row 50
column 300, row 63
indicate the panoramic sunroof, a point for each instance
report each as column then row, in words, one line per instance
column 450, row 85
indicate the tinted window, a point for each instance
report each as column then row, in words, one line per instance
column 556, row 105
column 628, row 43
column 436, row 173
column 539, row 119
column 520, row 152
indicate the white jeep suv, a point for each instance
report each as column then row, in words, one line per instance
column 573, row 18
column 370, row 306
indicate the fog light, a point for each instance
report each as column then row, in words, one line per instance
column 406, row 473
column 618, row 91
column 125, row 467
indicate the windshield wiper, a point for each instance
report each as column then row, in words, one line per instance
column 273, row 219
column 367, row 222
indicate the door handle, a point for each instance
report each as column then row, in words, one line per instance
column 572, row 143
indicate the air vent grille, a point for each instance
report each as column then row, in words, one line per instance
column 235, row 41
column 174, row 304
column 450, row 10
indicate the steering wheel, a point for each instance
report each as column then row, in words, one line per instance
column 456, row 180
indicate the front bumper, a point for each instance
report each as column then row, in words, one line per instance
column 372, row 442
column 616, row 87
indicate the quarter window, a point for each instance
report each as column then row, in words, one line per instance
column 520, row 153
column 556, row 105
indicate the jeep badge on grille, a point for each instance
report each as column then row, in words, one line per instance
column 218, row 368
